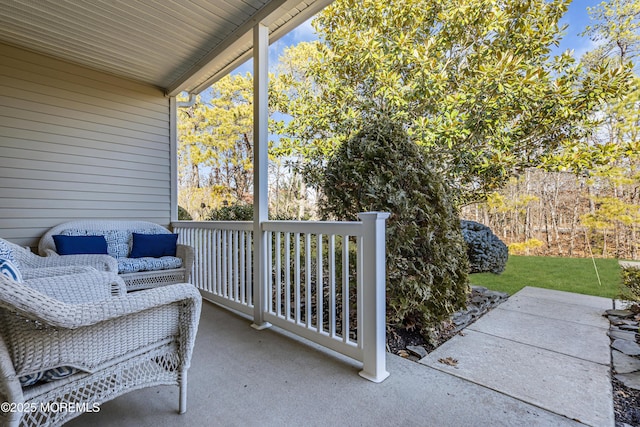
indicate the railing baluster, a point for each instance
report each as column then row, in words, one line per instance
column 297, row 277
column 319, row 285
column 269, row 274
column 278, row 278
column 287, row 277
column 236, row 272
column 346, row 327
column 307, row 282
column 224, row 250
column 219, row 288
column 332, row 285
column 241, row 260
column 250, row 272
column 229, row 259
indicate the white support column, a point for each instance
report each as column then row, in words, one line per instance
column 173, row 152
column 260, row 164
column 373, row 296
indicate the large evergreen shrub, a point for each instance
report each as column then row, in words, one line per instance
column 381, row 169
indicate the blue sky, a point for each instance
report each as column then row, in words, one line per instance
column 576, row 18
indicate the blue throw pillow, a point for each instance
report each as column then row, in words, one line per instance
column 74, row 245
column 153, row 245
column 10, row 270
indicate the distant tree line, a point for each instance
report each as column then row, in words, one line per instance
column 561, row 214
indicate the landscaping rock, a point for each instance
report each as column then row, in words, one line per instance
column 630, row 348
column 623, row 364
column 631, row 380
column 619, row 313
column 618, row 334
column 480, row 301
column 417, row 351
column 626, row 384
column 461, row 318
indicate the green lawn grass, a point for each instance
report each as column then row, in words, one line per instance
column 563, row 274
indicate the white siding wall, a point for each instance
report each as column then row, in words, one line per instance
column 76, row 143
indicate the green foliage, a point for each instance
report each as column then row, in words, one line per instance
column 615, row 29
column 183, row 214
column 472, row 81
column 233, row 212
column 381, row 169
column 631, row 282
column 524, row 248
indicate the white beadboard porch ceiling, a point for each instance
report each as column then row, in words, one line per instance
column 173, row 44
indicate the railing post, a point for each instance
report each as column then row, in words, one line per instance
column 373, row 296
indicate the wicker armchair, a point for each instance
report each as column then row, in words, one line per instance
column 29, row 263
column 119, row 344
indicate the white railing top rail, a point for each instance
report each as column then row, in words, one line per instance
column 215, row 225
column 353, row 228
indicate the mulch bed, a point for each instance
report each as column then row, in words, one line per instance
column 626, row 404
column 398, row 339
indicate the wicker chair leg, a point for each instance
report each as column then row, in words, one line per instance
column 183, row 392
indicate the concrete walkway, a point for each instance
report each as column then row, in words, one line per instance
column 539, row 359
column 547, row 348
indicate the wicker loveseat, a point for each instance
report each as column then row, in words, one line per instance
column 138, row 273
column 115, row 344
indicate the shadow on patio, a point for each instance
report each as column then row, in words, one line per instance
column 240, row 376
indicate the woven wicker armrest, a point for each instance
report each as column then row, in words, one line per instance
column 99, row 262
column 85, row 286
column 35, row 305
column 37, row 273
column 132, row 303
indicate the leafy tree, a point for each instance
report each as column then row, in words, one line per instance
column 472, row 81
column 297, row 96
column 616, row 30
column 609, row 157
column 380, row 169
column 215, row 146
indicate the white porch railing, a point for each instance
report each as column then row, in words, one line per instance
column 325, row 281
column 223, row 267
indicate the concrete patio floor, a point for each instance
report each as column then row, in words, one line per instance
column 539, row 359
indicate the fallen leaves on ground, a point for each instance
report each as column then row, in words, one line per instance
column 448, row 361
